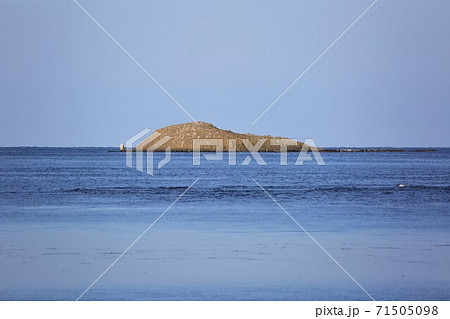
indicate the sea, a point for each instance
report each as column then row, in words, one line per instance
column 78, row 223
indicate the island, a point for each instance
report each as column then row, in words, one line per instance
column 184, row 137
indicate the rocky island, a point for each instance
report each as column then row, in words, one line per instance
column 181, row 137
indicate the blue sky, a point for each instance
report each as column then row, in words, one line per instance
column 64, row 82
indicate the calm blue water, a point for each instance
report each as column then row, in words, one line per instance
column 68, row 213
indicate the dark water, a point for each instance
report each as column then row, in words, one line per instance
column 68, row 213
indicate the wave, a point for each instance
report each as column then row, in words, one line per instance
column 238, row 188
column 316, row 194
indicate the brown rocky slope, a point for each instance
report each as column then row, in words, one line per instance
column 182, row 137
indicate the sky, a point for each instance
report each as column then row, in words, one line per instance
column 386, row 82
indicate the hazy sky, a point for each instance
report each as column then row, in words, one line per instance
column 385, row 83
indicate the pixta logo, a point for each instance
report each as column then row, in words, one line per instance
column 142, row 144
column 254, row 151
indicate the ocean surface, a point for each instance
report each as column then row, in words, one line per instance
column 67, row 214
